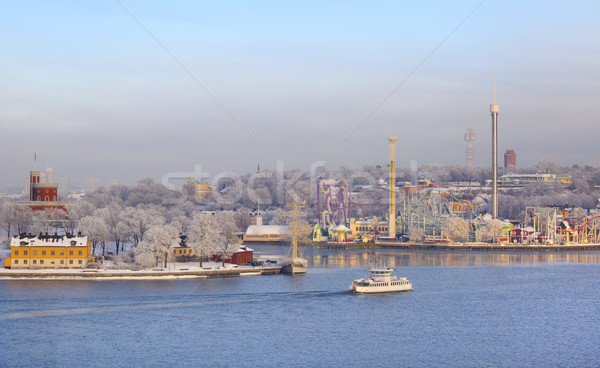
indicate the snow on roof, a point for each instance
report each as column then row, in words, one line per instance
column 48, row 240
column 340, row 228
column 266, row 229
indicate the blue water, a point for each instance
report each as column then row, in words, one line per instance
column 466, row 310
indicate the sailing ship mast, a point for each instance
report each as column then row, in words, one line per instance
column 295, row 266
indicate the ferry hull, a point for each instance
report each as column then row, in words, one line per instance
column 379, row 289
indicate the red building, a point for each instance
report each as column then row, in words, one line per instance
column 243, row 256
column 42, row 195
column 510, row 159
column 41, row 192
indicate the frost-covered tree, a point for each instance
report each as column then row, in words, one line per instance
column 14, row 216
column 136, row 221
column 417, row 235
column 97, row 231
column 76, row 212
column 117, row 230
column 457, row 229
column 40, row 223
column 158, row 241
column 204, row 235
column 279, row 217
column 491, row 231
column 229, row 234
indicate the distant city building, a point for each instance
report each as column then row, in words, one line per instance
column 49, row 251
column 510, row 160
column 512, row 179
column 469, row 138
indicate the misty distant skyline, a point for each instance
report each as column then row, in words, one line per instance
column 134, row 89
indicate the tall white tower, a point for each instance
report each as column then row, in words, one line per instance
column 469, row 138
column 494, row 109
column 392, row 216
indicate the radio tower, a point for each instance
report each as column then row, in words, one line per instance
column 494, row 109
column 469, row 138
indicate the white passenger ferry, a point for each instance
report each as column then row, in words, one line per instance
column 380, row 280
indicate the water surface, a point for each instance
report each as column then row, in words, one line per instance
column 467, row 310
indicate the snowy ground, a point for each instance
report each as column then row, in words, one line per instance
column 177, row 270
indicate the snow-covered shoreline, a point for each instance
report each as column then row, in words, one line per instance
column 177, row 271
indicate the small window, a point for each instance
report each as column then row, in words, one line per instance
column 73, row 242
column 35, row 261
column 39, row 198
column 80, row 253
column 16, row 252
column 23, row 243
column 51, row 262
column 25, row 261
column 62, row 261
column 70, row 252
column 47, row 199
column 70, row 261
column 54, row 198
column 80, row 261
column 16, row 261
column 62, row 252
column 43, row 252
column 35, row 252
column 25, row 252
column 51, row 252
column 41, row 261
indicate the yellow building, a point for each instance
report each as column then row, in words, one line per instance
column 49, row 251
column 204, row 190
column 369, row 227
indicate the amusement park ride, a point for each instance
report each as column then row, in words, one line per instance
column 542, row 226
column 333, row 202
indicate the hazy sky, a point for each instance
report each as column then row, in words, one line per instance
column 130, row 89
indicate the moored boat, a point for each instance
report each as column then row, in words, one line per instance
column 296, row 266
column 380, row 280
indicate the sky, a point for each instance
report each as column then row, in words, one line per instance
column 131, row 89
